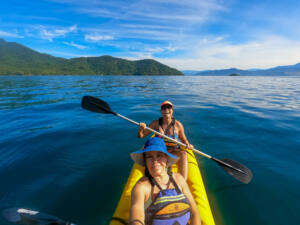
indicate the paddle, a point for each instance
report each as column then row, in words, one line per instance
column 30, row 217
column 235, row 169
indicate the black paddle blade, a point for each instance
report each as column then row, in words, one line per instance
column 95, row 105
column 235, row 169
column 31, row 217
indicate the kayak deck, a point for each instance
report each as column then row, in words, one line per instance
column 194, row 180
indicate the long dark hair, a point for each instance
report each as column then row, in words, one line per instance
column 147, row 173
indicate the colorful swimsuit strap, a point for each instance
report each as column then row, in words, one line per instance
column 171, row 181
column 159, row 187
column 149, row 200
column 175, row 184
column 160, row 124
column 170, row 206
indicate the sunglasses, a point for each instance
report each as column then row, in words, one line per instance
column 164, row 107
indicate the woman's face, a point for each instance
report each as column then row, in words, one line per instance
column 167, row 111
column 156, row 162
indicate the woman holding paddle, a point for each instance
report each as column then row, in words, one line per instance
column 160, row 197
column 233, row 168
column 173, row 128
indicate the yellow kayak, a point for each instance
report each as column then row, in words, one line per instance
column 195, row 182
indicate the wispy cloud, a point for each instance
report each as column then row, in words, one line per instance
column 97, row 37
column 262, row 53
column 142, row 15
column 172, row 48
column 150, row 51
column 9, row 34
column 146, row 26
column 154, row 50
column 75, row 45
column 154, row 10
column 49, row 34
column 190, row 34
column 110, row 33
column 64, row 54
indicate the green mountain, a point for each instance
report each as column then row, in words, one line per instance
column 18, row 59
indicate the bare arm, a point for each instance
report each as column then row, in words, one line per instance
column 182, row 136
column 137, row 214
column 195, row 215
column 142, row 132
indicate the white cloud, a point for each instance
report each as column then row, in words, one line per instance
column 138, row 56
column 65, row 54
column 157, row 29
column 155, row 12
column 50, row 34
column 173, row 11
column 8, row 34
column 99, row 12
column 146, row 26
column 160, row 49
column 96, row 37
column 263, row 53
column 172, row 48
column 148, row 20
column 154, row 50
column 75, row 45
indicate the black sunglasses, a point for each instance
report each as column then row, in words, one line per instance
column 164, row 107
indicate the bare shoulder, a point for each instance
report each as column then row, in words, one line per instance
column 178, row 176
column 182, row 184
column 142, row 185
column 154, row 124
column 178, row 124
column 179, row 179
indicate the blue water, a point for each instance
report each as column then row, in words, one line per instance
column 63, row 160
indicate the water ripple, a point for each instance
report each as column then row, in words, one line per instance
column 51, row 149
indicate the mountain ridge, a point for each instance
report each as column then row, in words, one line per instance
column 288, row 70
column 19, row 59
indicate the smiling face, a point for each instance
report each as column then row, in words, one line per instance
column 167, row 110
column 156, row 162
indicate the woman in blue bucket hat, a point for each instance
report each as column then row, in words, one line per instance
column 171, row 127
column 160, row 197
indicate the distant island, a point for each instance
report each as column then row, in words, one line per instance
column 292, row 70
column 16, row 59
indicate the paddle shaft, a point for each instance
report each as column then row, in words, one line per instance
column 165, row 136
column 180, row 143
column 230, row 166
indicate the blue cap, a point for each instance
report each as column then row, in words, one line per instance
column 153, row 144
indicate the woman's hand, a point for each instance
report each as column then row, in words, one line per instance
column 190, row 146
column 142, row 126
column 142, row 132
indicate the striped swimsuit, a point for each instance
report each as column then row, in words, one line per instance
column 170, row 207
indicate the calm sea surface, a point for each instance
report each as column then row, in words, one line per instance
column 63, row 160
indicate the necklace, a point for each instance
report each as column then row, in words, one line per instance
column 165, row 131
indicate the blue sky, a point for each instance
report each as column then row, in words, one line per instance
column 185, row 34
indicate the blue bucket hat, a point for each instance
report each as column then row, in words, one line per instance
column 153, row 144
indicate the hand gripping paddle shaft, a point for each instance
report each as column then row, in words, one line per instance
column 233, row 168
